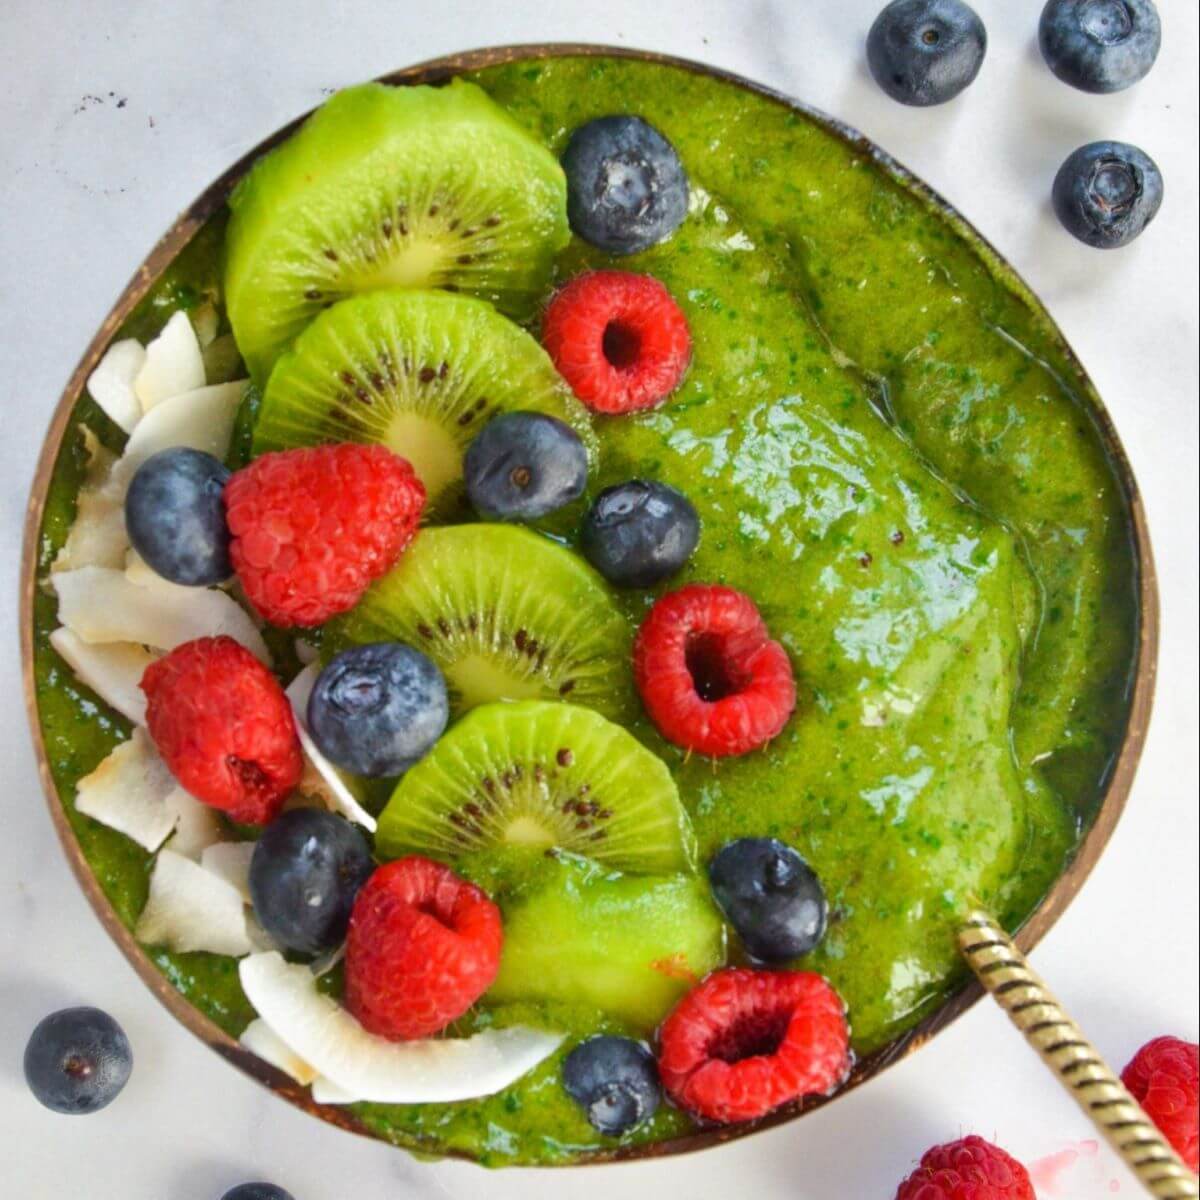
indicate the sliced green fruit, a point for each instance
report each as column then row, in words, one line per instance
column 629, row 945
column 387, row 187
column 506, row 614
column 420, row 372
column 540, row 776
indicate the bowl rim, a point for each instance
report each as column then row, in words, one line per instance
column 1052, row 905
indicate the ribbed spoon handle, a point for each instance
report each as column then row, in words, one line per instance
column 1033, row 1009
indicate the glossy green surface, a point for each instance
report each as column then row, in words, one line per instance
column 891, row 451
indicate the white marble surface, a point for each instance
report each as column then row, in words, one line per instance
column 116, row 113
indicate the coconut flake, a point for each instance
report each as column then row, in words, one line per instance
column 101, row 605
column 97, row 536
column 173, row 364
column 189, row 908
column 258, row 1039
column 365, row 1067
column 230, row 861
column 113, row 671
column 335, row 793
column 129, row 792
column 325, row 1091
column 197, row 826
column 111, row 383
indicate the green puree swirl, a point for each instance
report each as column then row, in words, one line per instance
column 891, row 452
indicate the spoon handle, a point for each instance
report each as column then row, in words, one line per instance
column 1033, row 1009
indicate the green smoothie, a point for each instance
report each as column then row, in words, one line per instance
column 892, row 452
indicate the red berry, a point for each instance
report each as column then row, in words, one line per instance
column 969, row 1169
column 744, row 1042
column 618, row 339
column 709, row 674
column 223, row 725
column 312, row 528
column 1164, row 1078
column 423, row 946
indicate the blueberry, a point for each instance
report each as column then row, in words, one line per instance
column 1100, row 45
column 615, row 1081
column 771, row 896
column 77, row 1060
column 638, row 533
column 376, row 709
column 925, row 52
column 1106, row 193
column 256, row 1191
column 175, row 516
column 524, row 465
column 306, row 869
column 626, row 188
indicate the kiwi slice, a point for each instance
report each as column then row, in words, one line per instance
column 540, row 776
column 507, row 614
column 391, row 187
column 421, row 372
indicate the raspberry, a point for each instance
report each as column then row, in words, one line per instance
column 618, row 339
column 709, row 674
column 744, row 1042
column 223, row 725
column 423, row 946
column 312, row 528
column 969, row 1169
column 1163, row 1078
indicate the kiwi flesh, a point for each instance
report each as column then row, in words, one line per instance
column 506, row 613
column 391, row 187
column 538, row 777
column 419, row 372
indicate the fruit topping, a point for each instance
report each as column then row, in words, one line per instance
column 626, row 188
column 1106, row 193
column 256, row 1191
column 744, row 1042
column 222, row 723
column 539, row 775
column 505, row 613
column 709, row 674
column 376, row 709
column 77, row 1060
column 524, row 465
column 312, row 528
column 771, row 896
column 1100, row 45
column 618, row 339
column 925, row 52
column 307, row 868
column 969, row 1169
column 639, row 533
column 175, row 516
column 1164, row 1078
column 423, row 946
column 382, row 187
column 615, row 1081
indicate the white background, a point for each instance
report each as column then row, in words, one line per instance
column 182, row 89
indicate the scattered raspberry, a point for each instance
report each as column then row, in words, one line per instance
column 423, row 946
column 969, row 1169
column 618, row 339
column 744, row 1042
column 223, row 725
column 1164, row 1078
column 709, row 674
column 312, row 528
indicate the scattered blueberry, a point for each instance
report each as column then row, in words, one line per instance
column 615, row 1081
column 256, row 1191
column 771, row 896
column 306, row 869
column 626, row 188
column 376, row 709
column 77, row 1060
column 1106, row 193
column 176, row 518
column 1100, row 45
column 638, row 533
column 925, row 52
column 524, row 465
